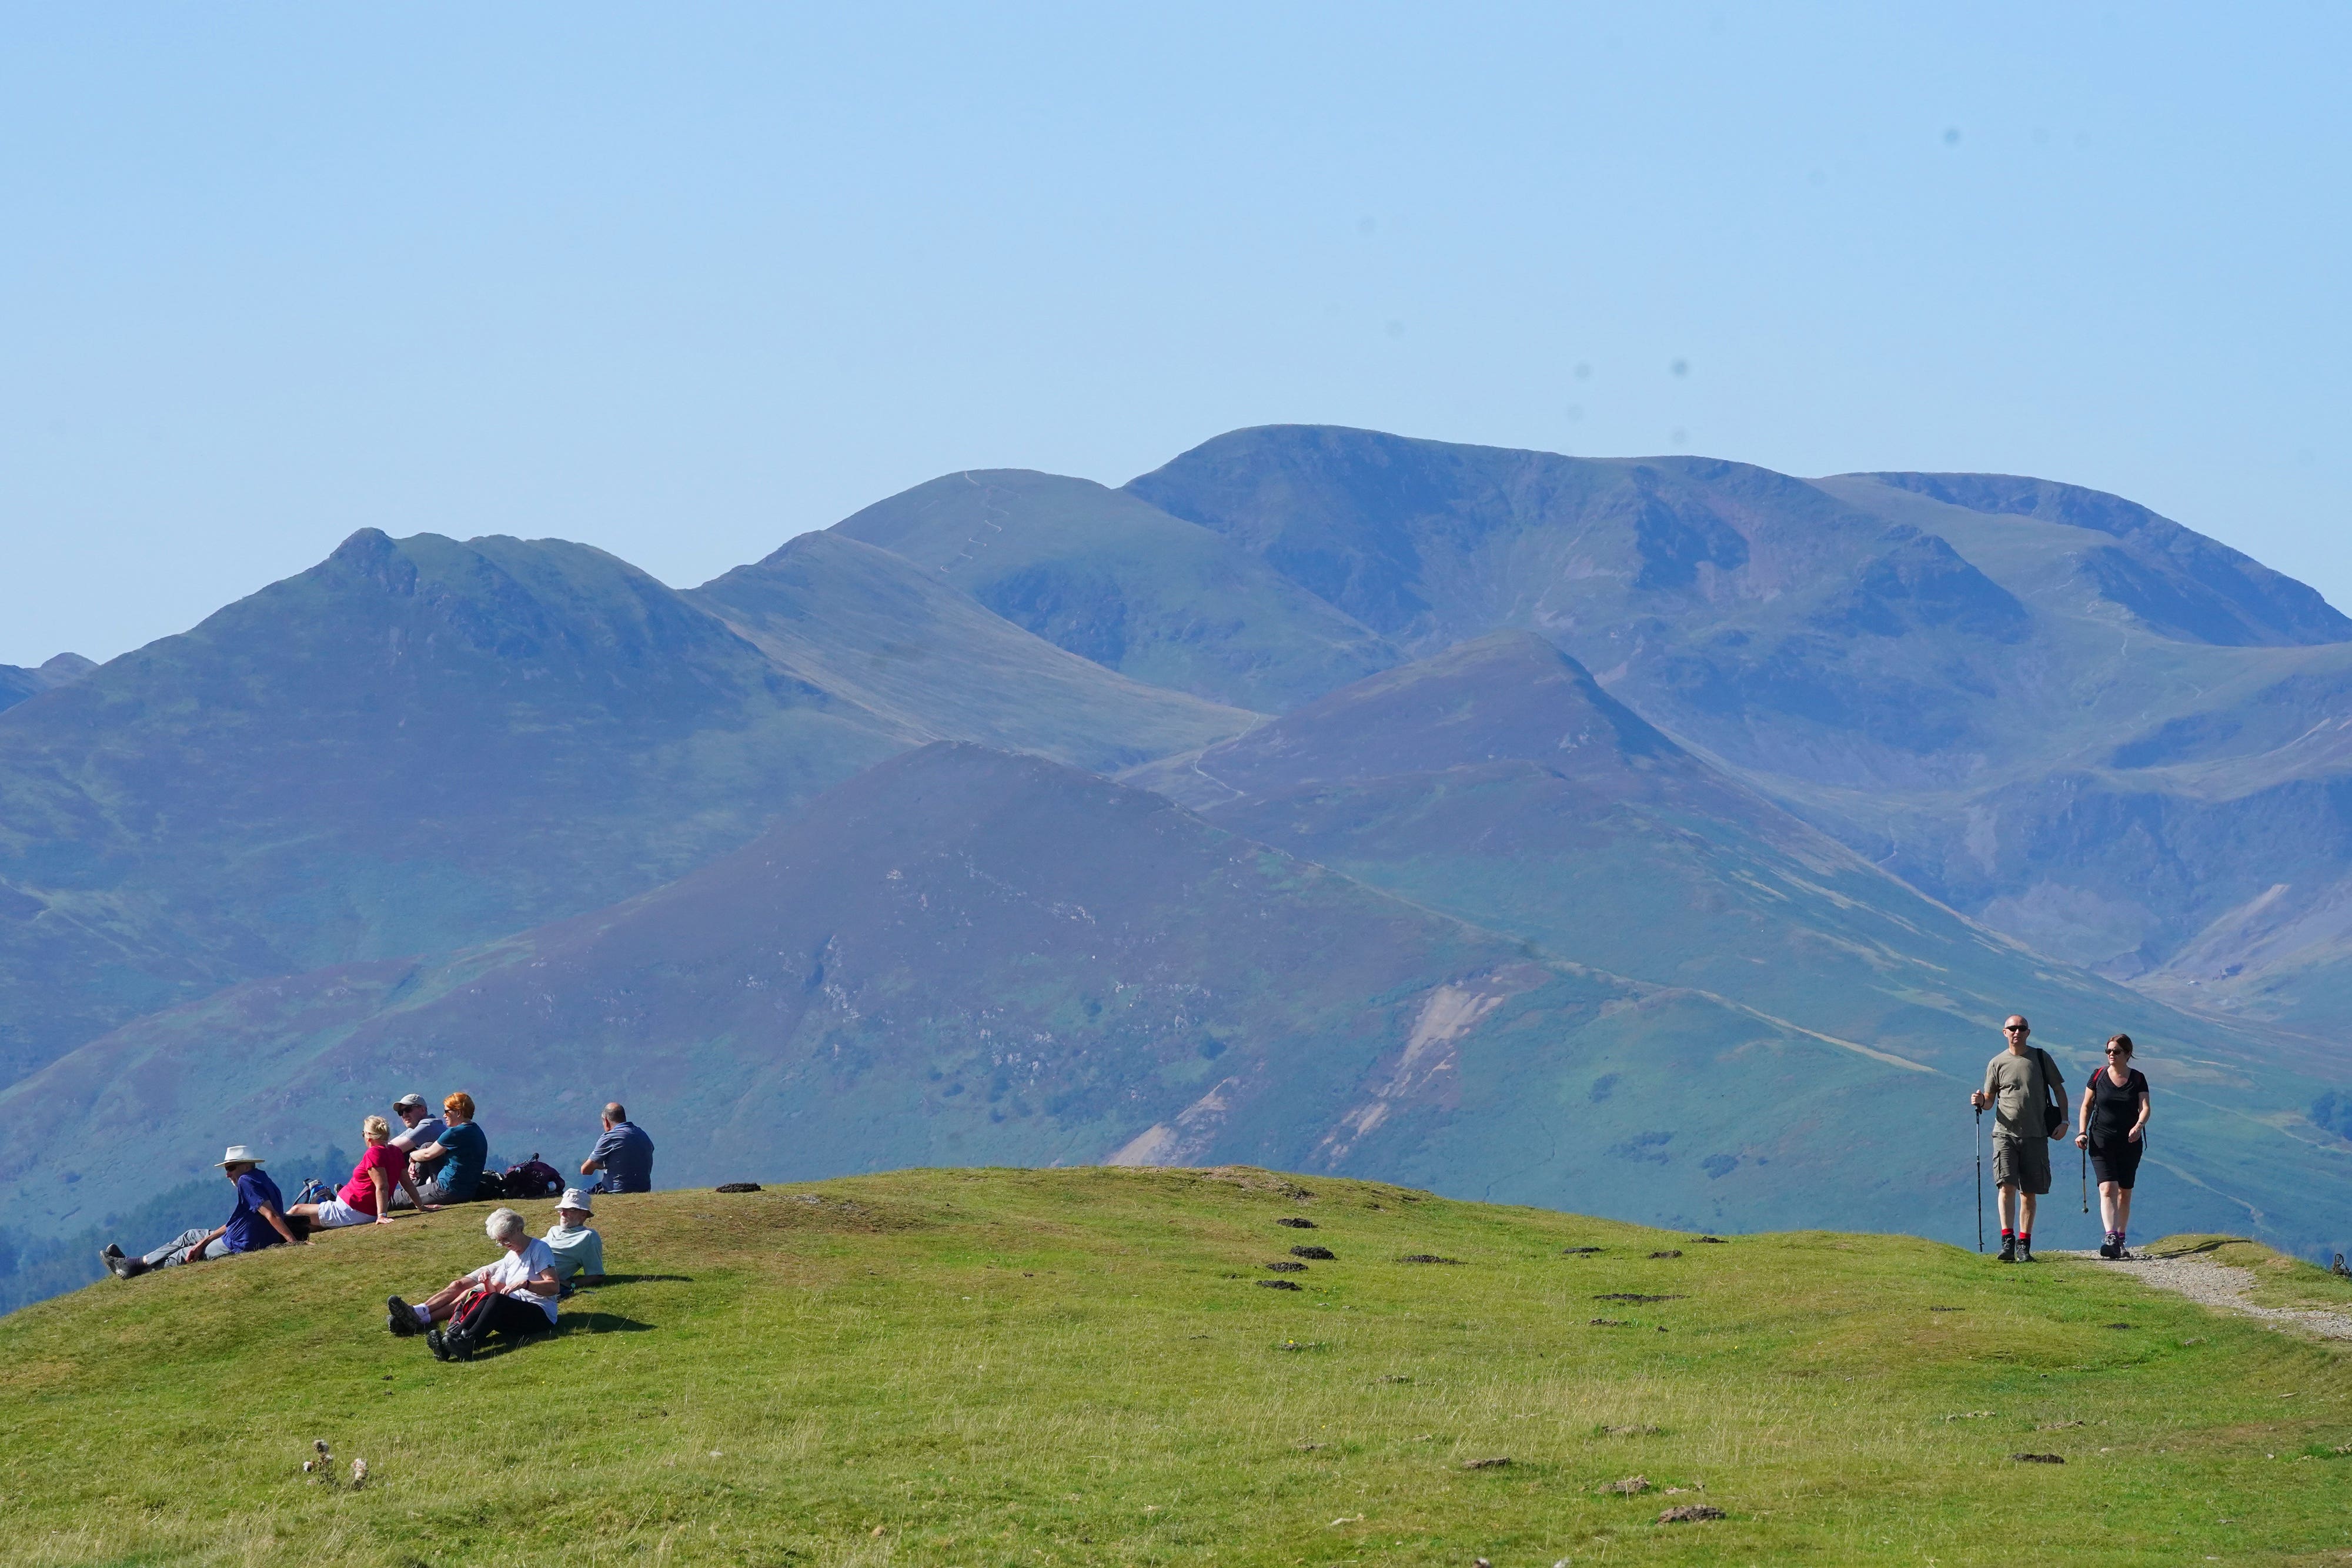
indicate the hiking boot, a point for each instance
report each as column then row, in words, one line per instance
column 2109, row 1250
column 123, row 1268
column 2123, row 1254
column 436, row 1344
column 2024, row 1250
column 400, row 1317
column 2008, row 1250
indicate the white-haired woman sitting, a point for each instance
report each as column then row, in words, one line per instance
column 516, row 1295
column 367, row 1195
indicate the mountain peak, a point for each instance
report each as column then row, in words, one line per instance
column 1509, row 696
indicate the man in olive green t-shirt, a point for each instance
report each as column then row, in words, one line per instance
column 2013, row 1088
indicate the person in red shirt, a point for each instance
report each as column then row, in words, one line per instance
column 368, row 1195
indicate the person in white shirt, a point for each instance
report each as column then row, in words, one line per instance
column 579, row 1251
column 515, row 1296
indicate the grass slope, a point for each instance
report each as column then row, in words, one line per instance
column 1080, row 1366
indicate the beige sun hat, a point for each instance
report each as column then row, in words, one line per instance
column 239, row 1154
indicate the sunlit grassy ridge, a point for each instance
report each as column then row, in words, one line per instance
column 1081, row 1367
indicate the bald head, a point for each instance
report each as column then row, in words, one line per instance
column 2017, row 1031
column 615, row 1111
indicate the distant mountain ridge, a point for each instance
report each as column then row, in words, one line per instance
column 1519, row 824
column 421, row 744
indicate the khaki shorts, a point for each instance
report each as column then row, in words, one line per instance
column 2021, row 1163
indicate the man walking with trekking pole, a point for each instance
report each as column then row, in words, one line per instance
column 2028, row 1099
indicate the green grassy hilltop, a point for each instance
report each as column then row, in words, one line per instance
column 1079, row 1366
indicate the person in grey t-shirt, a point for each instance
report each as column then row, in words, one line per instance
column 2019, row 1085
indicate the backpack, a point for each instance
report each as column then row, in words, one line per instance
column 490, row 1187
column 2054, row 1106
column 532, row 1178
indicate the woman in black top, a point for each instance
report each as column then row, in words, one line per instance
column 2112, row 1126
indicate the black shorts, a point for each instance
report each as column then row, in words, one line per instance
column 2118, row 1162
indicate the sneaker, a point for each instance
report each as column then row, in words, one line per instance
column 399, row 1317
column 437, row 1344
column 123, row 1268
column 2008, row 1250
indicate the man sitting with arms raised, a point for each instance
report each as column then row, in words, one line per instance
column 579, row 1251
column 258, row 1220
column 623, row 1154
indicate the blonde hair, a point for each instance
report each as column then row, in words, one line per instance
column 375, row 1130
column 459, row 1105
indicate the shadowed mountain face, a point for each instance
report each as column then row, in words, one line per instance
column 966, row 957
column 2172, row 579
column 874, row 628
column 1784, row 627
column 421, row 744
column 2053, row 709
column 1102, row 574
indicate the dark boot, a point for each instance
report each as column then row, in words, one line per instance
column 399, row 1317
column 123, row 1268
column 438, row 1345
column 2009, row 1249
column 2025, row 1249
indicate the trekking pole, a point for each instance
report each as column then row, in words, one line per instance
column 1980, row 1178
column 2086, row 1181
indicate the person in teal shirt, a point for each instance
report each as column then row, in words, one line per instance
column 579, row 1251
column 449, row 1168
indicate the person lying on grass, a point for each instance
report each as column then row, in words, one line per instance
column 367, row 1195
column 579, row 1251
column 516, row 1295
column 258, row 1220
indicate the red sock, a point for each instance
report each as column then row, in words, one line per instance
column 2007, row 1234
column 2025, row 1238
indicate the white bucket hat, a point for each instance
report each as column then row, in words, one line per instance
column 575, row 1198
column 238, row 1154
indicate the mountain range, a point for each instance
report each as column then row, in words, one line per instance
column 1658, row 836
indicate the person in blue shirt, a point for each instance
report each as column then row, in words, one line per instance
column 623, row 1154
column 258, row 1220
column 449, row 1168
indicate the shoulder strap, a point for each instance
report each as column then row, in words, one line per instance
column 2050, row 1076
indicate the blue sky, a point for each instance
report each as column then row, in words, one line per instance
column 684, row 281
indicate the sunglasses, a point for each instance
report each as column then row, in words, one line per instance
column 2015, row 1029
column 2113, row 1051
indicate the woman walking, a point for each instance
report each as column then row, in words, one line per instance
column 2113, row 1124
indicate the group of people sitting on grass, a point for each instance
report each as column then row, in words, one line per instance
column 432, row 1161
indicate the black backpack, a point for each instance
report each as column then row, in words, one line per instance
column 2053, row 1105
column 532, row 1178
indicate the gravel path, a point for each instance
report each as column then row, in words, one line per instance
column 2224, row 1288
